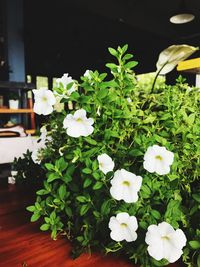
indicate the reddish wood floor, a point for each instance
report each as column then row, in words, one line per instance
column 23, row 244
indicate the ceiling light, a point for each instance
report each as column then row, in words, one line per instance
column 182, row 15
column 182, row 18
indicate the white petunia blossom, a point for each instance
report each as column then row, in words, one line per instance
column 125, row 186
column 44, row 101
column 123, row 227
column 78, row 124
column 164, row 242
column 11, row 179
column 37, row 153
column 106, row 164
column 87, row 74
column 158, row 159
column 65, row 80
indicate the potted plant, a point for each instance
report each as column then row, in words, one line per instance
column 120, row 171
column 13, row 100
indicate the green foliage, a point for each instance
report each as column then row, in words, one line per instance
column 75, row 198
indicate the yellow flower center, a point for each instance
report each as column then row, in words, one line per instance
column 158, row 157
column 165, row 237
column 44, row 99
column 79, row 120
column 127, row 183
column 123, row 225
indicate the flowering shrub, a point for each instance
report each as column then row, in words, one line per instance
column 120, row 166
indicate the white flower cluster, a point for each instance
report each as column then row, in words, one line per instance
column 163, row 241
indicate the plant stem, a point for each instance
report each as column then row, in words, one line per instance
column 154, row 81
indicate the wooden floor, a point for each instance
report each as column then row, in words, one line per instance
column 23, row 244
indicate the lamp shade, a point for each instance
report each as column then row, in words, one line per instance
column 182, row 18
column 182, row 15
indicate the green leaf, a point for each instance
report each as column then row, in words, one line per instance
column 87, row 183
column 130, row 64
column 68, row 211
column 124, row 48
column 35, row 217
column 111, row 66
column 62, row 191
column 198, row 261
column 87, row 171
column 97, row 186
column 105, row 207
column 61, row 164
column 67, row 178
column 52, row 177
column 44, row 227
column 102, row 93
column 196, row 197
column 194, row 244
column 113, row 51
column 82, row 199
column 42, row 192
column 156, row 214
column 49, row 166
column 84, row 209
column 90, row 141
column 53, row 215
column 127, row 56
column 31, row 208
column 136, row 152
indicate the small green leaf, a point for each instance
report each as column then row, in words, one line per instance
column 124, row 48
column 87, row 171
column 49, row 166
column 52, row 177
column 31, row 208
column 198, row 261
column 44, row 227
column 68, row 211
column 82, row 199
column 113, row 51
column 35, row 217
column 84, row 209
column 105, row 207
column 87, row 183
column 194, row 244
column 111, row 66
column 156, row 214
column 196, row 197
column 130, row 64
column 97, row 186
column 102, row 93
column 62, row 191
column 90, row 141
column 42, row 192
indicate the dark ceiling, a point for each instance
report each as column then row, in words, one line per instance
column 73, row 35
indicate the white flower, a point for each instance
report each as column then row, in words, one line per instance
column 78, row 124
column 164, row 242
column 123, row 227
column 125, row 185
column 11, row 180
column 129, row 100
column 106, row 164
column 158, row 159
column 43, row 131
column 44, row 101
column 87, row 74
column 37, row 152
column 65, row 80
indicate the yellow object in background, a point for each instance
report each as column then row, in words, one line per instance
column 190, row 65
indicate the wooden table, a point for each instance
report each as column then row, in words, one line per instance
column 23, row 244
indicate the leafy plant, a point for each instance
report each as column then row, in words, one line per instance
column 75, row 199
